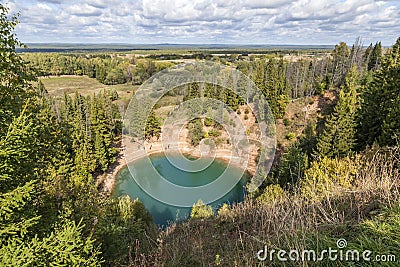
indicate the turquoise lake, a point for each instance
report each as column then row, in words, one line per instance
column 163, row 214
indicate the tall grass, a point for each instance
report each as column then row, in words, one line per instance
column 294, row 222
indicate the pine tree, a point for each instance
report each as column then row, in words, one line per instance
column 375, row 57
column 338, row 136
column 153, row 126
column 15, row 77
column 122, row 225
column 65, row 246
column 292, row 166
column 340, row 64
column 377, row 119
column 28, row 165
column 193, row 91
column 367, row 55
column 391, row 125
column 18, row 138
column 196, row 133
column 17, row 181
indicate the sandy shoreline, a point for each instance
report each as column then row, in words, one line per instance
column 107, row 180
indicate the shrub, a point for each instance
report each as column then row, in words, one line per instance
column 219, row 141
column 208, row 122
column 286, row 122
column 292, row 166
column 214, row 133
column 290, row 136
column 122, row 223
column 328, row 177
column 272, row 193
column 224, row 211
column 201, row 211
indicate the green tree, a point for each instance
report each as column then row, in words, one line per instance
column 15, row 77
column 378, row 120
column 65, row 246
column 122, row 230
column 340, row 64
column 193, row 91
column 292, row 166
column 153, row 126
column 338, row 136
column 196, row 132
column 28, row 163
column 367, row 55
column 375, row 57
column 115, row 76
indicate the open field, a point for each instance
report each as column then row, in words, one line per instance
column 58, row 85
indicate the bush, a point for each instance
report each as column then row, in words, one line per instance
column 218, row 141
column 208, row 122
column 286, row 122
column 201, row 211
column 292, row 166
column 224, row 211
column 290, row 136
column 328, row 177
column 272, row 193
column 214, row 133
column 121, row 225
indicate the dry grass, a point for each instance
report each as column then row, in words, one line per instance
column 58, row 85
column 303, row 111
column 234, row 237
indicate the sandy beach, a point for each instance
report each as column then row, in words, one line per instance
column 128, row 155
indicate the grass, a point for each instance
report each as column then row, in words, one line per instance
column 366, row 215
column 58, row 85
column 69, row 84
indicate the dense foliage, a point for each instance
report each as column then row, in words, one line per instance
column 107, row 69
column 339, row 173
column 50, row 149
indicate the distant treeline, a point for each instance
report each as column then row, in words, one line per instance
column 280, row 77
column 73, row 50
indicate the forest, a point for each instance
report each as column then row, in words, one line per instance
column 336, row 174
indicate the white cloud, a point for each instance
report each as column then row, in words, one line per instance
column 84, row 10
column 50, row 1
column 198, row 21
column 266, row 4
column 97, row 3
column 44, row 7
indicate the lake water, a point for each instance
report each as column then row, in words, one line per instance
column 162, row 213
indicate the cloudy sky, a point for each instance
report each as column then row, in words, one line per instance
column 207, row 21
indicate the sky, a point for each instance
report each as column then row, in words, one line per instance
column 298, row 22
